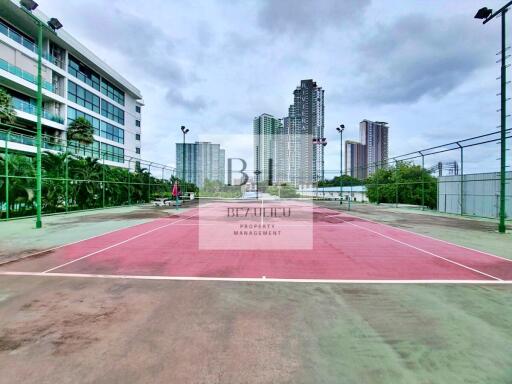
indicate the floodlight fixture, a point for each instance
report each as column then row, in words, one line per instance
column 483, row 13
column 54, row 24
column 29, row 5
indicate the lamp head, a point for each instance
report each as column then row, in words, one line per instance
column 30, row 5
column 54, row 24
column 483, row 13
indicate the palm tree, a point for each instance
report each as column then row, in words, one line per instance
column 7, row 114
column 86, row 187
column 22, row 184
column 54, row 187
column 81, row 131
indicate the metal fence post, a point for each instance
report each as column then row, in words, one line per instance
column 396, row 184
column 149, row 182
column 6, row 163
column 350, row 196
column 103, row 180
column 422, row 180
column 129, row 186
column 461, row 178
column 66, row 175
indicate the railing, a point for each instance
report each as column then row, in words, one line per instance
column 16, row 71
column 29, row 44
column 19, row 138
column 22, row 105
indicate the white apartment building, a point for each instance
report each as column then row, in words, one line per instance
column 75, row 83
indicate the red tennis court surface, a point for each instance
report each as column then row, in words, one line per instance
column 344, row 248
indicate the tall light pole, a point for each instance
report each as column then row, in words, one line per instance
column 323, row 142
column 185, row 131
column 54, row 24
column 486, row 14
column 340, row 129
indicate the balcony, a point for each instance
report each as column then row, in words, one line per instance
column 47, row 142
column 30, row 45
column 16, row 71
column 24, row 106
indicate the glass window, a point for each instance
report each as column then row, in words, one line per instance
column 137, row 150
column 112, row 153
column 112, row 112
column 137, row 137
column 81, row 96
column 112, row 92
column 137, row 108
column 137, row 123
column 83, row 73
column 101, row 128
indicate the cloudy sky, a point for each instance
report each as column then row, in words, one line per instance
column 426, row 67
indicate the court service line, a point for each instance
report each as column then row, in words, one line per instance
column 423, row 250
column 79, row 241
column 254, row 279
column 415, row 233
column 115, row 245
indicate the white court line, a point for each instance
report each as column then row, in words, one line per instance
column 421, row 250
column 415, row 233
column 79, row 241
column 115, row 245
column 255, row 279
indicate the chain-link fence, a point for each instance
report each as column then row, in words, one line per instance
column 71, row 182
column 461, row 177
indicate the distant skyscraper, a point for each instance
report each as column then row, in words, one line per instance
column 355, row 159
column 374, row 134
column 266, row 130
column 363, row 158
column 203, row 161
column 283, row 148
column 307, row 119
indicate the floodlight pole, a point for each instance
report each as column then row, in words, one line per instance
column 39, row 110
column 185, row 131
column 340, row 129
column 502, row 11
column 501, row 227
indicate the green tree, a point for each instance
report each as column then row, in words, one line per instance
column 283, row 191
column 215, row 188
column 80, row 131
column 21, row 185
column 54, row 186
column 86, row 186
column 7, row 113
column 335, row 181
column 403, row 184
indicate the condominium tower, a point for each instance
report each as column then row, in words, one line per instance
column 203, row 161
column 75, row 82
column 267, row 151
column 307, row 123
column 355, row 159
column 374, row 135
column 363, row 158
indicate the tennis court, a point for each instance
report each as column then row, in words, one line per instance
column 342, row 248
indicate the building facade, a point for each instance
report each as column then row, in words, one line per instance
column 363, row 158
column 203, row 161
column 75, row 83
column 355, row 159
column 267, row 152
column 307, row 123
column 374, row 135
